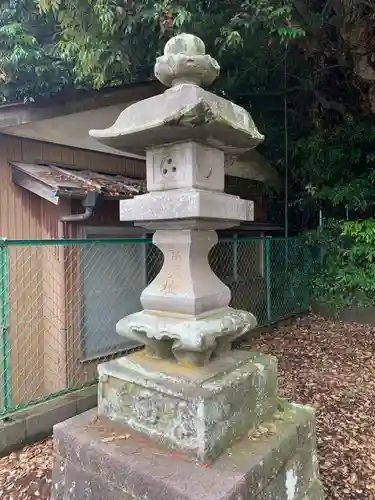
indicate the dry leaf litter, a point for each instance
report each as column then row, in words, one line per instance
column 329, row 365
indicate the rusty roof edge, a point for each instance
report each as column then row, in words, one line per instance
column 78, row 191
column 18, row 166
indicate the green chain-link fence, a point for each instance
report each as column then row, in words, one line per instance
column 60, row 301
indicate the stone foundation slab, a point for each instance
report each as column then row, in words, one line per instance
column 99, row 460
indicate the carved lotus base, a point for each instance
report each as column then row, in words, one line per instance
column 199, row 411
column 191, row 340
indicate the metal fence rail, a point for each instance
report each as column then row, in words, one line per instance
column 60, row 301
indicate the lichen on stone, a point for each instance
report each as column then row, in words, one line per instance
column 192, row 116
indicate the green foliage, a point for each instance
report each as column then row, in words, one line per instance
column 116, row 40
column 339, row 163
column 348, row 255
column 28, row 64
column 52, row 43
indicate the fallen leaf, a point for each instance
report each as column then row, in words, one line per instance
column 115, row 438
column 353, row 478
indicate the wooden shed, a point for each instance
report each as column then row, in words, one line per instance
column 63, row 299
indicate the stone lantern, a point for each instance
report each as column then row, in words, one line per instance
column 187, row 392
column 186, row 132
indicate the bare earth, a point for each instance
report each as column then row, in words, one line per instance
column 329, row 365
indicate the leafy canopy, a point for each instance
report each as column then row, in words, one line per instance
column 29, row 65
column 109, row 39
column 46, row 45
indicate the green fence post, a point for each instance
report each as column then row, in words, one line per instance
column 268, row 277
column 4, row 327
column 235, row 259
column 286, row 256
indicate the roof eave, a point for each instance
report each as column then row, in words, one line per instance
column 75, row 102
column 52, row 192
column 35, row 186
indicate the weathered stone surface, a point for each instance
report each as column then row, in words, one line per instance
column 186, row 204
column 185, row 165
column 186, row 307
column 80, row 484
column 191, row 340
column 100, row 461
column 315, row 491
column 183, row 113
column 185, row 60
column 188, row 287
column 197, row 410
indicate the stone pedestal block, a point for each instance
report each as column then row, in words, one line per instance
column 97, row 460
column 198, row 410
column 157, row 208
column 185, row 165
column 186, row 283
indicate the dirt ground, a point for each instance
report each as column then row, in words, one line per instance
column 329, row 365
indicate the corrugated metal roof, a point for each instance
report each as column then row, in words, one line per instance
column 60, row 181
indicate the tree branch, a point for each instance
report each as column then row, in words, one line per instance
column 336, row 106
column 367, row 3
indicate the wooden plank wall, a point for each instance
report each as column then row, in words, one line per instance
column 43, row 280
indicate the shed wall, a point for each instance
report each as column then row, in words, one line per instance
column 41, row 278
